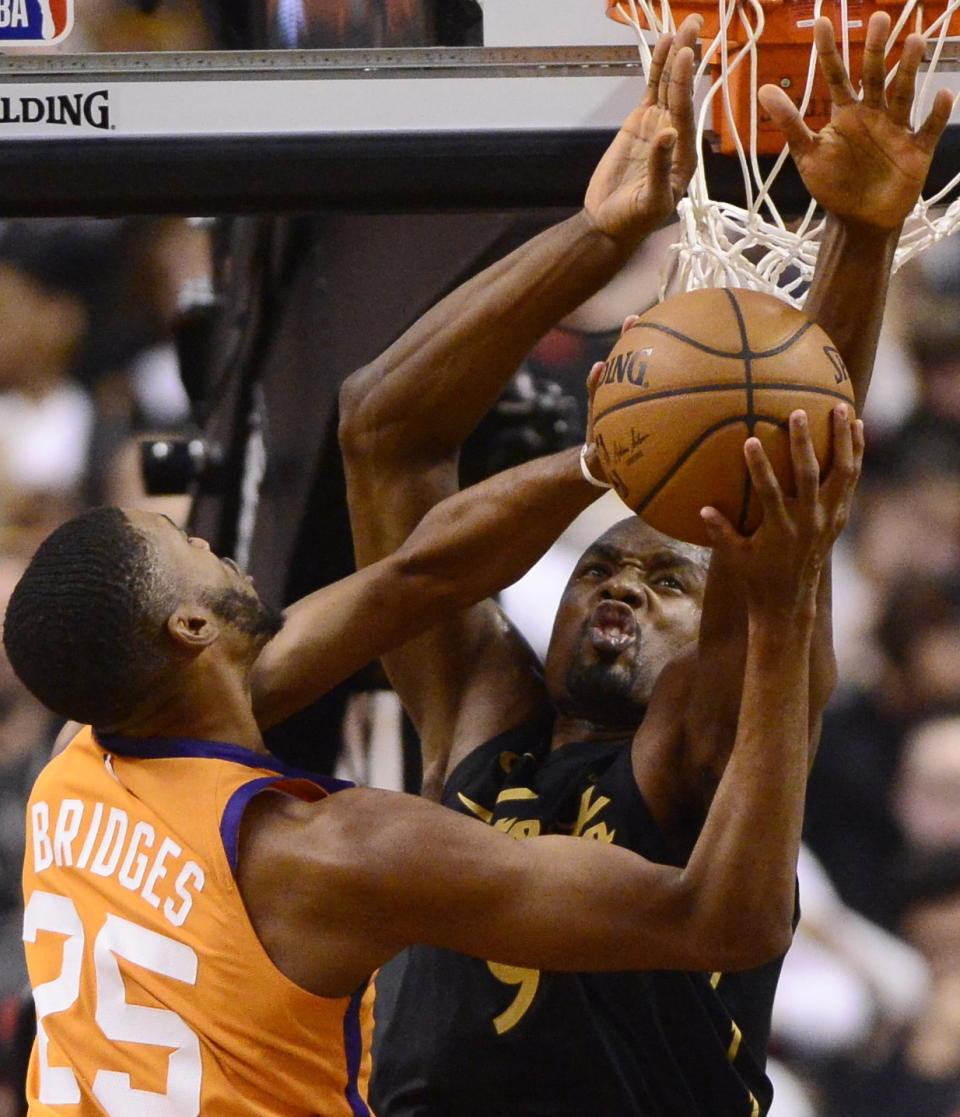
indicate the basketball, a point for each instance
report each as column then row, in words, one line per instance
column 695, row 377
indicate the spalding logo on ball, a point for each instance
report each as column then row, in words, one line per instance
column 692, row 380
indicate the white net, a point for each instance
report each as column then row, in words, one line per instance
column 754, row 245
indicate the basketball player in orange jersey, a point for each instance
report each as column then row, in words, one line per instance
column 202, row 921
column 626, row 735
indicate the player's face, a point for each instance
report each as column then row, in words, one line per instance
column 215, row 582
column 632, row 604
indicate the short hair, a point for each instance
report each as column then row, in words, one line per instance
column 84, row 625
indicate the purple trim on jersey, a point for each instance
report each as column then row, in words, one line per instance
column 159, row 748
column 353, row 1049
column 233, row 816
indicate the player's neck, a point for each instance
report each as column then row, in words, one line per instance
column 223, row 713
column 569, row 730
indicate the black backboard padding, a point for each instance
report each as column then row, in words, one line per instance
column 362, row 173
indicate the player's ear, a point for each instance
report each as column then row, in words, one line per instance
column 193, row 626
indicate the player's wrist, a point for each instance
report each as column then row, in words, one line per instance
column 619, row 236
column 781, row 611
column 860, row 229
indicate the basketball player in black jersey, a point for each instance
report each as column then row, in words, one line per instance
column 625, row 735
column 609, row 743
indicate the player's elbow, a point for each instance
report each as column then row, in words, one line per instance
column 739, row 933
column 745, row 946
column 764, row 940
column 381, row 431
column 357, row 425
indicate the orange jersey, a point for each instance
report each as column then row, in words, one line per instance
column 154, row 995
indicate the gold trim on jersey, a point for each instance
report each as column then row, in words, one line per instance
column 475, row 808
column 516, row 793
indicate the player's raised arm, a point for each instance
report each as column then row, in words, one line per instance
column 416, row 403
column 866, row 168
column 405, row 416
column 366, row 873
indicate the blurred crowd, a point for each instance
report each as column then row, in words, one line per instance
column 94, row 320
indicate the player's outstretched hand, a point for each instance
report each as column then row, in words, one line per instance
column 781, row 561
column 867, row 164
column 646, row 169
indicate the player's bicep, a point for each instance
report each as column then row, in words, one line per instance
column 554, row 902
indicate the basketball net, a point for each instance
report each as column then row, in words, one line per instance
column 722, row 244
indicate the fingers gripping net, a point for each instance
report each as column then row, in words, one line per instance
column 754, row 245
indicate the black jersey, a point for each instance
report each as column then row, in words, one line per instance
column 467, row 1037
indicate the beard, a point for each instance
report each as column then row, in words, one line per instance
column 246, row 613
column 604, row 693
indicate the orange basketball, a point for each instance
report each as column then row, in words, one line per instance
column 696, row 376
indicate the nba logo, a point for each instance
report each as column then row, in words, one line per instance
column 35, row 21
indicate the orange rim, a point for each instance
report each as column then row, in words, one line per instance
column 789, row 21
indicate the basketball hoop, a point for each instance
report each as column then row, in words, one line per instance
column 744, row 45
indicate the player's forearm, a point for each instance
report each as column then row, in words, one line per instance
column 483, row 539
column 716, row 699
column 465, row 549
column 823, row 657
column 721, row 653
column 721, row 648
column 744, row 863
column 848, row 293
column 426, row 393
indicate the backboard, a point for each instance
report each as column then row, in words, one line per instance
column 516, row 122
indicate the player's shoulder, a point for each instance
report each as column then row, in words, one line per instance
column 274, row 812
column 72, row 746
column 674, row 684
column 70, row 778
column 665, row 722
column 669, row 702
column 70, row 732
column 331, row 846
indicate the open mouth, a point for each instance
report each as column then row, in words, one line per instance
column 613, row 628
